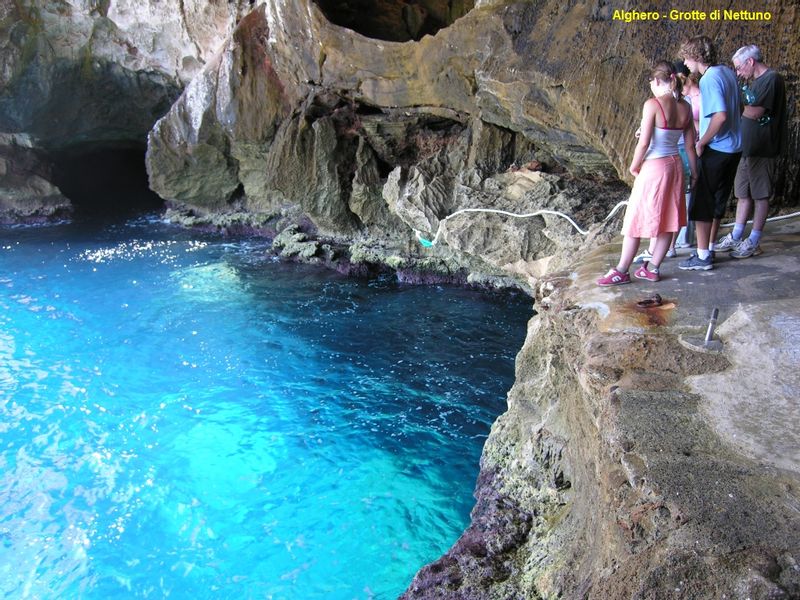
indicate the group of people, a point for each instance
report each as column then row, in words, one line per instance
column 725, row 132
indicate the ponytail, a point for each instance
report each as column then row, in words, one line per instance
column 665, row 71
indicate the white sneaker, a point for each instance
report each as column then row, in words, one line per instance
column 746, row 249
column 727, row 243
column 643, row 257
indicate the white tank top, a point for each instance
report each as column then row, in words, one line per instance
column 664, row 141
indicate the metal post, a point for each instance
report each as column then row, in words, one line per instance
column 711, row 326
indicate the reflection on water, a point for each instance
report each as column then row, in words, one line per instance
column 183, row 416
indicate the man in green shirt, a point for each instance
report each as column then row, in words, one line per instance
column 763, row 138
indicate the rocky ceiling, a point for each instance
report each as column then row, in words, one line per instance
column 394, row 20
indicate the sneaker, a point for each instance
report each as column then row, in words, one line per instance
column 745, row 249
column 683, row 245
column 643, row 257
column 643, row 273
column 614, row 277
column 695, row 263
column 727, row 243
column 671, row 253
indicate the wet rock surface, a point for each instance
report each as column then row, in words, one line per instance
column 27, row 193
column 620, row 469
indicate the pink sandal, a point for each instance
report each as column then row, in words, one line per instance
column 614, row 277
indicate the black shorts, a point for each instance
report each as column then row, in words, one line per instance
column 715, row 174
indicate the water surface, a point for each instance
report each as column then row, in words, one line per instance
column 182, row 416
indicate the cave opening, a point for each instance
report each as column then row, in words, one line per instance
column 394, row 20
column 105, row 178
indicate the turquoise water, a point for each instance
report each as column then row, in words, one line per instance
column 182, row 416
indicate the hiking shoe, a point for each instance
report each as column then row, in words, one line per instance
column 643, row 257
column 643, row 273
column 727, row 243
column 672, row 253
column 614, row 277
column 695, row 263
column 746, row 249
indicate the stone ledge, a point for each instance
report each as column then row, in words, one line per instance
column 641, row 468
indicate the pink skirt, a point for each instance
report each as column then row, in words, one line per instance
column 657, row 204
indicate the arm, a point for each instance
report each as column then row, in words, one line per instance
column 753, row 112
column 646, row 129
column 717, row 121
column 765, row 90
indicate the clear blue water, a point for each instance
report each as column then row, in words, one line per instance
column 182, row 416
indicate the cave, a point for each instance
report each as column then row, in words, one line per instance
column 394, row 20
column 105, row 178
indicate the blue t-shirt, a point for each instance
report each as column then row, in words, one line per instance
column 720, row 93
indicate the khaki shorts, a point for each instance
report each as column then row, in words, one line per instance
column 755, row 178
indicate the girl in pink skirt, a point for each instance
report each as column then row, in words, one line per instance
column 656, row 207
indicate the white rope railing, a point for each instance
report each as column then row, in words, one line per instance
column 432, row 242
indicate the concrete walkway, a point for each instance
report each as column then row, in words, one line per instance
column 755, row 404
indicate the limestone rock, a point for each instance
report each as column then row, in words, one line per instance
column 292, row 242
column 81, row 71
column 77, row 74
column 27, row 194
column 604, row 479
column 441, row 120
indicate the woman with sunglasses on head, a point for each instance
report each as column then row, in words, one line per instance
column 656, row 206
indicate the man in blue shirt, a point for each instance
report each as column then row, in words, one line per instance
column 763, row 138
column 718, row 147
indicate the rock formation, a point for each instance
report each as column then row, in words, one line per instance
column 367, row 143
column 604, row 479
column 96, row 73
column 270, row 116
column 26, row 193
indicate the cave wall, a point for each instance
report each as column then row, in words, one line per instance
column 86, row 72
column 606, row 479
column 276, row 118
column 603, row 62
column 565, row 78
column 272, row 124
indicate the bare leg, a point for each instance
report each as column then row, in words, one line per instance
column 703, row 230
column 630, row 245
column 673, row 240
column 662, row 244
column 743, row 207
column 760, row 214
column 712, row 234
